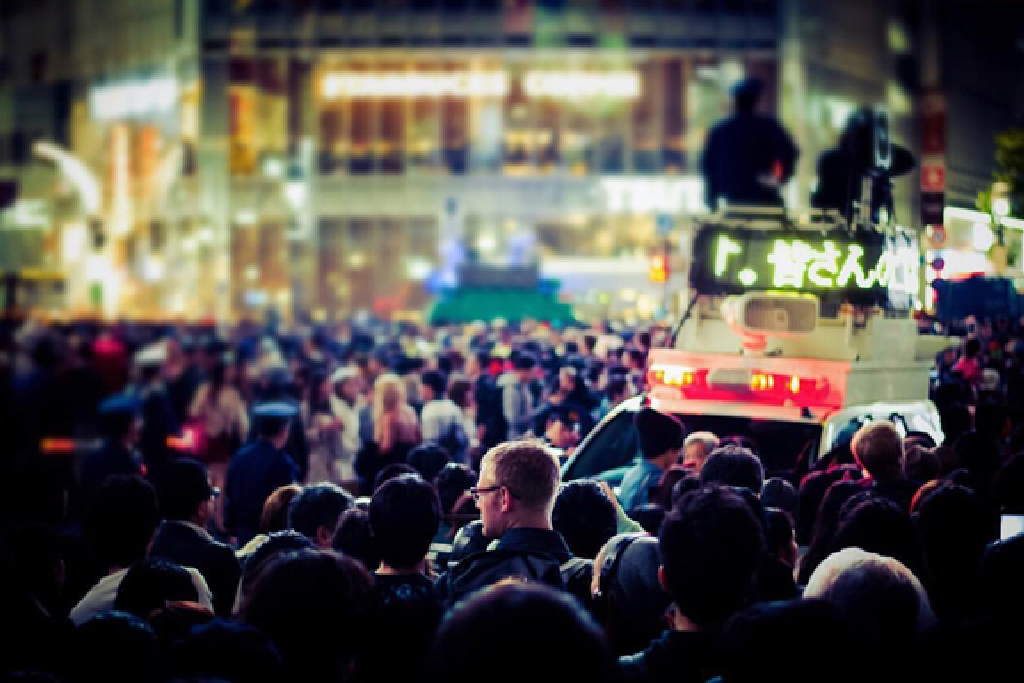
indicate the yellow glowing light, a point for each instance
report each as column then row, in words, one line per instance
column 794, row 385
column 726, row 248
column 570, row 85
column 762, row 382
column 413, row 85
column 748, row 277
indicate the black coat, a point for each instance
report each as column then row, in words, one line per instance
column 254, row 473
column 109, row 459
column 739, row 151
column 179, row 542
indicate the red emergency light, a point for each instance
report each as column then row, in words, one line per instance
column 740, row 385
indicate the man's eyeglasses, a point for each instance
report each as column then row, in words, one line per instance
column 475, row 491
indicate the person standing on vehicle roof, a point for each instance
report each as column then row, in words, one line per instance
column 747, row 157
column 661, row 439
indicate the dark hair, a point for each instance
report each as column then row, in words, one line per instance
column 318, row 506
column 184, row 486
column 688, row 483
column 616, row 387
column 811, row 493
column 979, row 454
column 274, row 516
column 117, row 647
column 711, row 546
column 277, row 542
column 650, row 516
column 629, row 594
column 955, row 525
column 879, row 525
column 732, row 465
column 354, row 538
column 778, row 531
column 669, row 478
column 779, row 493
column 753, row 643
column 122, row 519
column 404, row 516
column 1002, row 565
column 547, row 624
column 972, row 348
column 435, row 381
column 317, row 404
column 956, row 419
column 1008, row 488
column 459, row 390
column 226, row 650
column 218, row 374
column 524, row 361
column 585, row 517
column 391, row 471
column 152, row 583
column 825, row 526
column 269, row 427
column 657, row 432
column 313, row 605
column 451, row 482
column 428, row 459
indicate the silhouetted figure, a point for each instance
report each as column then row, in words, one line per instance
column 747, row 157
column 841, row 170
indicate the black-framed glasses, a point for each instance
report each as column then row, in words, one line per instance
column 475, row 491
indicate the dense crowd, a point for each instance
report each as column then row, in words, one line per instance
column 384, row 502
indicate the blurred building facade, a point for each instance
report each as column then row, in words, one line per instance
column 335, row 155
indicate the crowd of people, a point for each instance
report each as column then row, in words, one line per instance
column 385, row 502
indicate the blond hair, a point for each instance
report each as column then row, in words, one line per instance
column 529, row 469
column 388, row 394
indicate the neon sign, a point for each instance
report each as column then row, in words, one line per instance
column 133, row 99
column 864, row 268
column 562, row 85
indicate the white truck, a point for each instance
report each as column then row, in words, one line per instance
column 795, row 331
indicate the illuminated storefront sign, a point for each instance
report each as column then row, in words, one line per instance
column 864, row 268
column 133, row 99
column 577, row 85
column 413, row 85
column 566, row 85
column 645, row 195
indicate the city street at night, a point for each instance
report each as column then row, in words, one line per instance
column 374, row 341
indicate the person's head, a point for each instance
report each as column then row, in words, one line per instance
column 585, row 517
column 661, row 436
column 696, row 449
column 780, row 536
column 460, row 391
column 972, row 349
column 121, row 520
column 955, row 525
column 315, row 512
column 388, row 394
column 811, row 492
column 548, row 625
column 731, row 465
column 650, row 516
column 354, row 538
column 921, row 463
column 956, row 419
column 117, row 647
column 434, row 384
column 979, row 454
column 395, row 469
column 347, row 384
column 779, row 493
column 618, row 389
column 313, row 604
column 879, row 599
column 516, row 487
column 428, row 459
column 561, row 430
column 120, row 419
column 878, row 449
column 1008, row 487
column 669, row 478
column 272, row 422
column 627, row 593
column 404, row 516
column 746, row 94
column 754, row 643
column 186, row 493
column 274, row 516
column 223, row 649
column 151, row 584
column 711, row 546
column 1002, row 592
column 452, row 483
column 880, row 526
column 681, row 488
column 524, row 366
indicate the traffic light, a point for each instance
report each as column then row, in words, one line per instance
column 659, row 268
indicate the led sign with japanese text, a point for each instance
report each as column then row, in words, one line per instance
column 863, row 268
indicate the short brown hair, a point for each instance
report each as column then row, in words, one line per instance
column 529, row 470
column 878, row 448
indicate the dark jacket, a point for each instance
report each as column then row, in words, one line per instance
column 190, row 547
column 677, row 656
column 158, row 423
column 408, row 610
column 533, row 554
column 254, row 473
column 739, row 152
